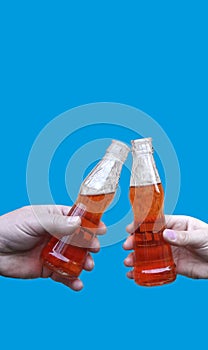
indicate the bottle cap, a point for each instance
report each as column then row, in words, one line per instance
column 119, row 149
column 144, row 171
column 143, row 145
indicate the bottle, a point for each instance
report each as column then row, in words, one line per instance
column 67, row 255
column 153, row 261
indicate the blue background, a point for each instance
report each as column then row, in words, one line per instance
column 151, row 55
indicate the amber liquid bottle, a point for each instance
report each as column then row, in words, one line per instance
column 67, row 256
column 153, row 261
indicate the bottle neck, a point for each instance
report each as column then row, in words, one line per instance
column 144, row 171
column 104, row 177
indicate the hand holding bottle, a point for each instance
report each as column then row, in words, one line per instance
column 23, row 234
column 189, row 239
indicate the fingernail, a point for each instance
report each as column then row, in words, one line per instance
column 126, row 244
column 77, row 285
column 73, row 220
column 170, row 235
column 127, row 260
column 95, row 245
column 90, row 264
column 101, row 230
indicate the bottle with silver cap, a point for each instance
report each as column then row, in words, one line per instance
column 67, row 256
column 153, row 261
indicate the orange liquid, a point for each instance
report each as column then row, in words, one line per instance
column 153, row 261
column 68, row 259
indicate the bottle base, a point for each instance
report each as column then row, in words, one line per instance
column 155, row 277
column 69, row 274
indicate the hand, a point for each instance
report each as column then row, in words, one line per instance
column 24, row 233
column 189, row 239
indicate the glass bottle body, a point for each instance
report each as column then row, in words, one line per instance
column 153, row 261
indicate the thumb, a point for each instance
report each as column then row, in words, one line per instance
column 194, row 239
column 60, row 225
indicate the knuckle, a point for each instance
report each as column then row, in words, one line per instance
column 184, row 238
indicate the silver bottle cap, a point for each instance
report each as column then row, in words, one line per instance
column 118, row 149
column 142, row 145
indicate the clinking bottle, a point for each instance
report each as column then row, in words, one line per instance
column 153, row 261
column 67, row 255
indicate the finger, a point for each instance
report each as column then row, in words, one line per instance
column 89, row 263
column 101, row 230
column 64, row 209
column 176, row 222
column 129, row 261
column 60, row 225
column 193, row 269
column 130, row 274
column 94, row 245
column 51, row 209
column 130, row 228
column 183, row 223
column 128, row 244
column 194, row 239
column 75, row 284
